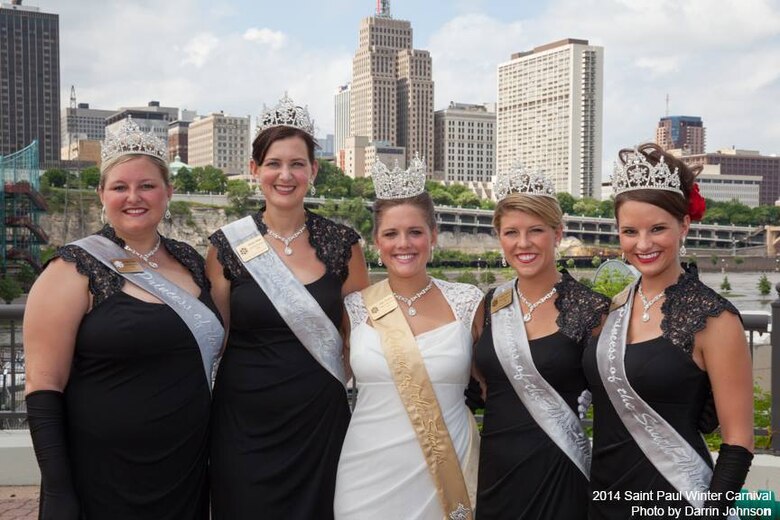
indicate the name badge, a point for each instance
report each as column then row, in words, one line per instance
column 251, row 248
column 382, row 307
column 500, row 301
column 127, row 265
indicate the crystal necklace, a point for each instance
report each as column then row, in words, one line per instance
column 286, row 240
column 145, row 256
column 532, row 306
column 647, row 304
column 410, row 301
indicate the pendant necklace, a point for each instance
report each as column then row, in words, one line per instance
column 145, row 256
column 410, row 301
column 647, row 304
column 532, row 306
column 286, row 240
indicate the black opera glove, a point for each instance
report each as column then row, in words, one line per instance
column 46, row 417
column 728, row 477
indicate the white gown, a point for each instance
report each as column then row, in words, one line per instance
column 382, row 474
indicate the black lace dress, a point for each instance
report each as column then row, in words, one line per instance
column 137, row 400
column 522, row 472
column 663, row 373
column 279, row 418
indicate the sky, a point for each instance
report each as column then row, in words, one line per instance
column 717, row 59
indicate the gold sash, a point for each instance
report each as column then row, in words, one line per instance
column 417, row 394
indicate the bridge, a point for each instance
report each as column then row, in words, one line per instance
column 589, row 230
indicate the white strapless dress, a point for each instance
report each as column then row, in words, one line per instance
column 382, row 474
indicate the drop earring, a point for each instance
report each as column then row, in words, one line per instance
column 503, row 260
column 103, row 215
column 683, row 249
column 379, row 260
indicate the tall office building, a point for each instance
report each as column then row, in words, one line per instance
column 685, row 133
column 342, row 122
column 549, row 114
column 29, row 81
column 220, row 141
column 465, row 142
column 83, row 122
column 391, row 96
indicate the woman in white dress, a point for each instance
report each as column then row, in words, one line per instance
column 410, row 450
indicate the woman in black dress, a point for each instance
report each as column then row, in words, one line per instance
column 525, row 471
column 669, row 344
column 118, row 388
column 280, row 414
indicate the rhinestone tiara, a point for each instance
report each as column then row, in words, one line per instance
column 398, row 183
column 638, row 174
column 129, row 139
column 286, row 113
column 520, row 179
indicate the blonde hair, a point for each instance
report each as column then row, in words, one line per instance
column 108, row 165
column 546, row 208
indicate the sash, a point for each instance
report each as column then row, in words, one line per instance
column 545, row 405
column 297, row 307
column 201, row 321
column 417, row 394
column 666, row 449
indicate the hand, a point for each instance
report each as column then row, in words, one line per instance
column 583, row 403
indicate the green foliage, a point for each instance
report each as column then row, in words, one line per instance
column 442, row 197
column 56, row 177
column 363, row 188
column 487, row 277
column 26, row 275
column 487, row 204
column 467, row 199
column 239, row 193
column 352, row 211
column 587, row 282
column 738, row 260
column 467, row 277
column 714, row 259
column 762, row 418
column 764, row 286
column 9, row 289
column 437, row 273
column 209, row 179
column 595, row 261
column 566, row 200
column 570, row 263
column 180, row 208
column 47, row 253
column 610, row 282
column 90, row 177
column 725, row 285
column 185, row 181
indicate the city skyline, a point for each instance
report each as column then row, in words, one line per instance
column 712, row 57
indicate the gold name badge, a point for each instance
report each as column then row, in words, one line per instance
column 501, row 301
column 127, row 265
column 382, row 307
column 251, row 248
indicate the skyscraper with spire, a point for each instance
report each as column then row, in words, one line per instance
column 391, row 97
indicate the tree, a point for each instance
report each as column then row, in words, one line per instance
column 456, row 190
column 56, row 177
column 26, row 275
column 9, row 289
column 239, row 193
column 363, row 188
column 725, row 285
column 90, row 177
column 764, row 286
column 185, row 181
column 588, row 207
column 442, row 198
column 487, row 204
column 567, row 201
column 467, row 199
column 210, row 179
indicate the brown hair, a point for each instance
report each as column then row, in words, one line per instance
column 546, row 208
column 667, row 200
column 107, row 166
column 267, row 137
column 423, row 202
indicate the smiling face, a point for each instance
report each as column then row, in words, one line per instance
column 650, row 237
column 528, row 243
column 404, row 240
column 284, row 173
column 135, row 196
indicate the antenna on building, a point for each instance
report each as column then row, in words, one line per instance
column 383, row 8
column 667, row 104
column 73, row 96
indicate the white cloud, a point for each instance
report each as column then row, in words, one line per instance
column 274, row 39
column 199, row 48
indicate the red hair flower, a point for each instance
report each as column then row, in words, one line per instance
column 696, row 203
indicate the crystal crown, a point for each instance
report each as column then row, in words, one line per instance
column 398, row 183
column 286, row 113
column 520, row 179
column 638, row 174
column 131, row 139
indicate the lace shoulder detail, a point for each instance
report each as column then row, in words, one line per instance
column 189, row 258
column 332, row 242
column 463, row 298
column 103, row 282
column 580, row 309
column 687, row 306
column 232, row 267
column 356, row 309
